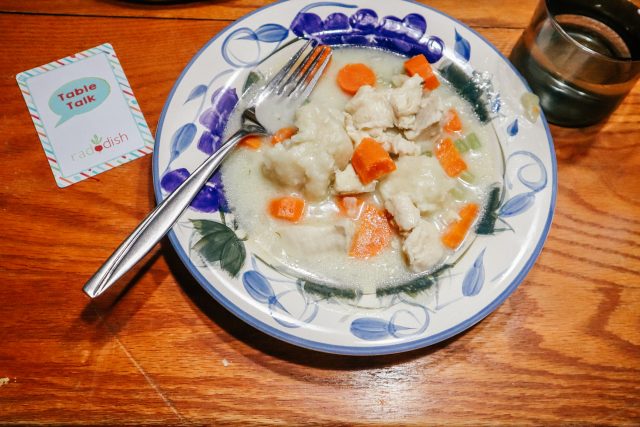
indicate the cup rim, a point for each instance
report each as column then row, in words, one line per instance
column 588, row 50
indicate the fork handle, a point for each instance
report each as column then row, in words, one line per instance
column 158, row 222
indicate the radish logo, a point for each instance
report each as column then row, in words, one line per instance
column 99, row 143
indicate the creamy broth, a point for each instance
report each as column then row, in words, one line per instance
column 249, row 190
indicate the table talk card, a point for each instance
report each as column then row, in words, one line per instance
column 85, row 113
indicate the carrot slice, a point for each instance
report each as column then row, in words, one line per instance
column 449, row 158
column 283, row 134
column 352, row 76
column 372, row 235
column 453, row 124
column 288, row 208
column 371, row 161
column 420, row 66
column 457, row 230
column 416, row 64
column 252, row 142
column 431, row 82
column 350, row 206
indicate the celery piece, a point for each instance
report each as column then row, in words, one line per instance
column 472, row 141
column 467, row 177
column 458, row 193
column 461, row 145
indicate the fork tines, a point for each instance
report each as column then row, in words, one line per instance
column 311, row 68
column 300, row 74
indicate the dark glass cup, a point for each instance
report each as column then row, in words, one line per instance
column 581, row 57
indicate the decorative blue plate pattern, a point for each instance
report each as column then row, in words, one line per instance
column 420, row 313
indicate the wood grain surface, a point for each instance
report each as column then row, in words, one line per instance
column 563, row 349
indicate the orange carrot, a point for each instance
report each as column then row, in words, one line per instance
column 449, row 158
column 372, row 235
column 252, row 142
column 283, row 134
column 350, row 206
column 419, row 65
column 453, row 124
column 352, row 76
column 288, row 208
column 371, row 161
column 457, row 230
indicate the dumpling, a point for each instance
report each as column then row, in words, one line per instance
column 325, row 127
column 313, row 240
column 305, row 167
column 422, row 179
column 307, row 162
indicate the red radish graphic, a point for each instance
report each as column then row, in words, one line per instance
column 97, row 141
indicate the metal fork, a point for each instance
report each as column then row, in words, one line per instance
column 274, row 105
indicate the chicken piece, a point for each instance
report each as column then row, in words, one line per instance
column 370, row 108
column 405, row 214
column 395, row 143
column 347, row 182
column 355, row 133
column 307, row 161
column 422, row 179
column 313, row 240
column 372, row 112
column 423, row 247
column 429, row 115
column 391, row 140
column 399, row 79
column 406, row 101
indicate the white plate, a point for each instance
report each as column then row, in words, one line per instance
column 494, row 265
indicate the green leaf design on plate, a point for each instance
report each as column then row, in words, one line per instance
column 467, row 89
column 415, row 286
column 252, row 79
column 325, row 291
column 233, row 255
column 219, row 243
column 487, row 223
column 96, row 139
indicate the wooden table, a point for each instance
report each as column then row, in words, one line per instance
column 564, row 348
